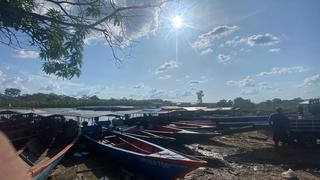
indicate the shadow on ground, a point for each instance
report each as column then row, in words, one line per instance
column 290, row 156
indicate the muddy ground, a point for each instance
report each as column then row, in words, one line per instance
column 249, row 155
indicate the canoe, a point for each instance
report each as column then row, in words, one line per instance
column 150, row 137
column 140, row 156
column 144, row 135
column 41, row 142
column 182, row 135
column 191, row 126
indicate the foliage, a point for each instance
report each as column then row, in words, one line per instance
column 224, row 103
column 58, row 28
column 40, row 100
column 12, row 92
column 287, row 105
column 243, row 104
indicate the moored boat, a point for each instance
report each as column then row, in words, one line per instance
column 139, row 155
column 150, row 137
column 41, row 142
column 192, row 126
column 181, row 135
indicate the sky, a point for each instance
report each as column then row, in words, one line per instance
column 252, row 49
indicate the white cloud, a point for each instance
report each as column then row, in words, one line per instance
column 236, row 41
column 255, row 40
column 264, row 86
column 50, row 88
column 224, row 58
column 283, row 70
column 136, row 23
column 157, row 94
column 26, row 54
column 166, row 66
column 204, row 41
column 250, row 88
column 165, row 77
column 18, row 80
column 252, row 91
column 183, row 94
column 13, row 82
column 311, row 81
column 2, row 76
column 51, row 84
column 263, row 39
column 246, row 82
column 178, row 94
column 194, row 82
column 139, row 86
column 206, row 51
column 274, row 50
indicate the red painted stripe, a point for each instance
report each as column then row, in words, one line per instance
column 35, row 170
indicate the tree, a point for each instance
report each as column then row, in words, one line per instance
column 222, row 103
column 200, row 94
column 58, row 30
column 244, row 104
column 94, row 98
column 12, row 92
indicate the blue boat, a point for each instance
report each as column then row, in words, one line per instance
column 140, row 156
column 41, row 142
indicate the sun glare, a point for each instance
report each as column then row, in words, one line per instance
column 177, row 22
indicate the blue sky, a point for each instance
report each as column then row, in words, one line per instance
column 252, row 49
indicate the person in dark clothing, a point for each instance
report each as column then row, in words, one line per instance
column 280, row 127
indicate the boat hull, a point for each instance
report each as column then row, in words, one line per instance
column 155, row 167
column 160, row 140
column 43, row 174
column 185, row 136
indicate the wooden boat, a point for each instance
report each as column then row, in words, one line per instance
column 41, row 142
column 144, row 135
column 150, row 137
column 140, row 156
column 191, row 126
column 182, row 135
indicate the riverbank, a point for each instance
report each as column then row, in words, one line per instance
column 247, row 155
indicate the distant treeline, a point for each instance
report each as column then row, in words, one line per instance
column 40, row 100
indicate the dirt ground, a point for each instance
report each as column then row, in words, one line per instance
column 249, row 155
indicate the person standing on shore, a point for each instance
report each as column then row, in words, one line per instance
column 280, row 126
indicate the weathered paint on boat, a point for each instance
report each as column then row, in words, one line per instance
column 159, row 167
column 153, row 138
column 183, row 136
column 42, row 171
column 21, row 127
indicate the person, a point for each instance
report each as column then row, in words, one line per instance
column 280, row 127
column 11, row 166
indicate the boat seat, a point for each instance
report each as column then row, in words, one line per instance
column 119, row 144
column 108, row 137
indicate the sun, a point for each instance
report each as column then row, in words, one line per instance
column 177, row 22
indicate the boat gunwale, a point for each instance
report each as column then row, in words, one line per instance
column 152, row 136
column 188, row 159
column 39, row 167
